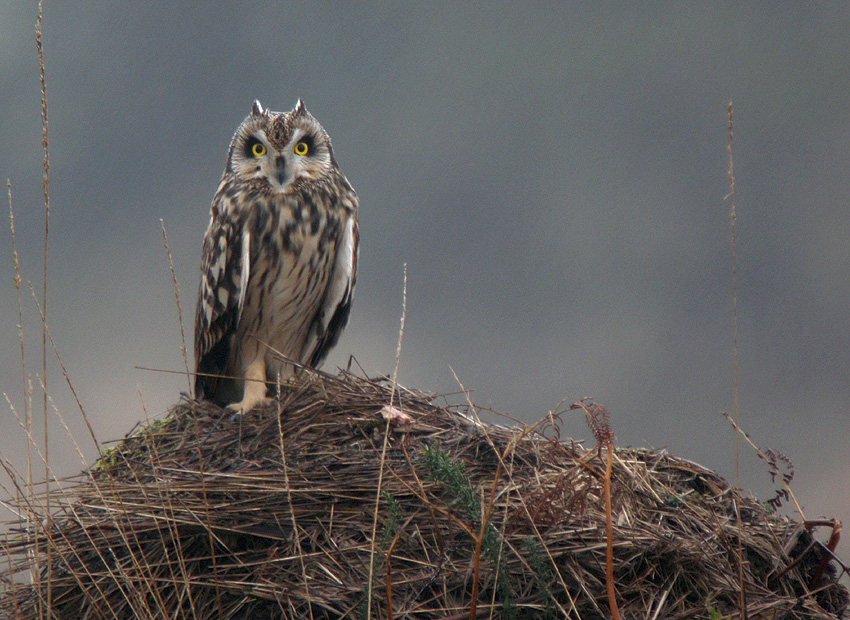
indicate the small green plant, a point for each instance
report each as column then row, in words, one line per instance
column 713, row 612
column 542, row 573
column 450, row 472
column 459, row 488
column 108, row 458
column 393, row 519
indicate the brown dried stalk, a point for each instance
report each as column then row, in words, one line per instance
column 598, row 419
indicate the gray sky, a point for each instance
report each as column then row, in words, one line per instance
column 552, row 174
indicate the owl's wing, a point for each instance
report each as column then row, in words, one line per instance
column 336, row 305
column 225, row 265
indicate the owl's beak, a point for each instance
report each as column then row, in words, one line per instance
column 280, row 164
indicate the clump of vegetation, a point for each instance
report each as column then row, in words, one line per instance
column 182, row 519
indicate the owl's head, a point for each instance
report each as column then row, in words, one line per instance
column 280, row 151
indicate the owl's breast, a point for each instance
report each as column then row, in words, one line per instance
column 293, row 247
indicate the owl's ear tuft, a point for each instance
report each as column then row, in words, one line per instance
column 299, row 108
column 257, row 108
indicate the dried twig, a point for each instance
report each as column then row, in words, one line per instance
column 384, row 445
column 179, row 309
column 742, row 600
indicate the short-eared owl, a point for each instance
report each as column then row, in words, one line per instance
column 279, row 259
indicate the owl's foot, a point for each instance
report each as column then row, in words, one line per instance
column 255, row 389
column 255, row 394
column 237, row 410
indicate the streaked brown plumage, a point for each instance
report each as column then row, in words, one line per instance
column 279, row 259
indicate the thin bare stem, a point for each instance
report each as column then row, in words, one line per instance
column 68, row 431
column 389, row 579
column 767, row 460
column 384, row 447
column 17, row 266
column 400, row 334
column 485, row 520
column 731, row 197
column 208, row 524
column 598, row 419
column 295, row 533
column 476, row 562
column 207, row 519
column 609, row 535
column 65, row 374
column 45, row 183
column 179, row 309
column 171, row 524
column 25, row 391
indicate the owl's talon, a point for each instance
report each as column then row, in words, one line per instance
column 235, row 415
column 237, row 412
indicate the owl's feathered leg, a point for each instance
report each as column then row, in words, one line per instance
column 254, row 394
column 255, row 388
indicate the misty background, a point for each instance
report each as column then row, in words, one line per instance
column 552, row 174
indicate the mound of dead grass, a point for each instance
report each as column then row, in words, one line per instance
column 181, row 519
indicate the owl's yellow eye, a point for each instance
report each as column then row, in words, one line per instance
column 258, row 150
column 302, row 148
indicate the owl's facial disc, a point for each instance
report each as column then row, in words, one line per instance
column 281, row 152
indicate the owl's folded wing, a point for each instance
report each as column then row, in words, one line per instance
column 225, row 264
column 332, row 317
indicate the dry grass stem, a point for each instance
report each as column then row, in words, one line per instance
column 27, row 393
column 183, row 349
column 45, row 182
column 65, row 374
column 384, row 444
column 731, row 198
column 766, row 459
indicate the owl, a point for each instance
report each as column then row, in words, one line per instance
column 279, row 259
